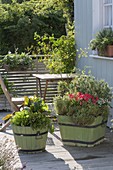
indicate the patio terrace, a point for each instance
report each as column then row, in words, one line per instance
column 59, row 157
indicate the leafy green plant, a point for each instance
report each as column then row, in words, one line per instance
column 88, row 84
column 102, row 40
column 63, row 87
column 15, row 61
column 35, row 114
column 84, row 99
column 62, row 52
column 20, row 20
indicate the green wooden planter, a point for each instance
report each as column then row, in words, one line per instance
column 76, row 135
column 30, row 140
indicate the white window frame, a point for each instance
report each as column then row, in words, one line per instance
column 98, row 19
column 107, row 13
column 97, row 16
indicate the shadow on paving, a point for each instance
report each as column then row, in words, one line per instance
column 42, row 161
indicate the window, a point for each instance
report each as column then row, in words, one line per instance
column 107, row 13
column 102, row 14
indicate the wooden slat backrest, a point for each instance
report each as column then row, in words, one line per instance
column 7, row 94
column 24, row 84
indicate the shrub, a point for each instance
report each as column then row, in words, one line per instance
column 20, row 22
column 62, row 52
column 84, row 98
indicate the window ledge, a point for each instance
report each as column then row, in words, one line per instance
column 101, row 57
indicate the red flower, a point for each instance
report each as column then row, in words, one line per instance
column 79, row 96
column 87, row 97
column 94, row 100
column 83, row 97
column 71, row 96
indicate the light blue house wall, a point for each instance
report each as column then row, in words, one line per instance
column 83, row 27
column 101, row 68
column 83, row 22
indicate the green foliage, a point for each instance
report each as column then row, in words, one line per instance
column 35, row 114
column 68, row 9
column 88, row 84
column 102, row 40
column 84, row 98
column 63, row 87
column 33, row 119
column 15, row 61
column 19, row 21
column 62, row 51
column 35, row 103
column 82, row 114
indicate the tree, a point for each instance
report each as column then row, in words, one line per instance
column 19, row 22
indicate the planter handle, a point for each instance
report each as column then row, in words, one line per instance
column 39, row 135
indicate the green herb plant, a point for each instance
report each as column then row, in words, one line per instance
column 35, row 114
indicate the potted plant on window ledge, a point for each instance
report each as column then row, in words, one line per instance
column 31, row 124
column 103, row 42
column 83, row 110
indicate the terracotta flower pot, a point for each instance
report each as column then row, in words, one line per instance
column 109, row 51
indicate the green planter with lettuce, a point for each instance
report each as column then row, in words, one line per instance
column 83, row 110
column 31, row 124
